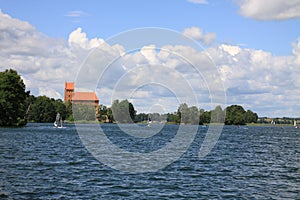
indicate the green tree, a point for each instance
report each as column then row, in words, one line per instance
column 42, row 110
column 28, row 103
column 61, row 108
column 12, row 99
column 104, row 114
column 123, row 112
column 204, row 117
column 69, row 111
column 251, row 117
column 218, row 115
column 194, row 115
column 235, row 115
column 173, row 118
column 183, row 113
column 110, row 115
column 141, row 117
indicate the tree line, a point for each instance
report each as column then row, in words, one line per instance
column 124, row 112
column 17, row 107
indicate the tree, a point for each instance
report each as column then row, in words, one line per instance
column 251, row 117
column 123, row 112
column 217, row 115
column 235, row 115
column 183, row 113
column 42, row 110
column 188, row 115
column 204, row 116
column 61, row 108
column 69, row 111
column 194, row 115
column 141, row 117
column 12, row 99
column 173, row 118
column 102, row 112
column 110, row 115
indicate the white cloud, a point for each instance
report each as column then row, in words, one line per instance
column 198, row 1
column 232, row 50
column 262, row 82
column 79, row 38
column 197, row 34
column 44, row 63
column 270, row 9
column 149, row 53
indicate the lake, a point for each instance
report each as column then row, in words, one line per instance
column 41, row 162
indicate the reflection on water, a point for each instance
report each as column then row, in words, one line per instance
column 41, row 162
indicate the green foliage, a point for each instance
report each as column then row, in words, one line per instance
column 217, row 115
column 123, row 112
column 251, row 117
column 44, row 109
column 236, row 115
column 69, row 112
column 173, row 118
column 105, row 114
column 141, row 117
column 204, row 116
column 12, row 99
column 188, row 115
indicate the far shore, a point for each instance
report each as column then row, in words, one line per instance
column 214, row 124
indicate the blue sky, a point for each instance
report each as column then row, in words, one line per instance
column 255, row 44
column 107, row 18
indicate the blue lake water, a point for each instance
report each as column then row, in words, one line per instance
column 41, row 162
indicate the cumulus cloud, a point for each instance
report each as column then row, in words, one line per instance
column 258, row 80
column 197, row 34
column 149, row 53
column 44, row 63
column 270, row 9
column 79, row 38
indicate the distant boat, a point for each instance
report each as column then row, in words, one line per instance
column 273, row 122
column 295, row 124
column 58, row 120
column 149, row 122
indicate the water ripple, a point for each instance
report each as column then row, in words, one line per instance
column 39, row 162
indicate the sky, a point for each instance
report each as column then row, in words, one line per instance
column 254, row 46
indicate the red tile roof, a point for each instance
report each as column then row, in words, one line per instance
column 69, row 85
column 85, row 96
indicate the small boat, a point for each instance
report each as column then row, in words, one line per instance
column 58, row 120
column 273, row 122
column 149, row 122
column 295, row 124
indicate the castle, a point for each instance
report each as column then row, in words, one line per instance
column 80, row 97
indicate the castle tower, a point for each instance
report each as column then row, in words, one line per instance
column 69, row 90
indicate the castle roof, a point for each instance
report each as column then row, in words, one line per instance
column 85, row 96
column 69, row 85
